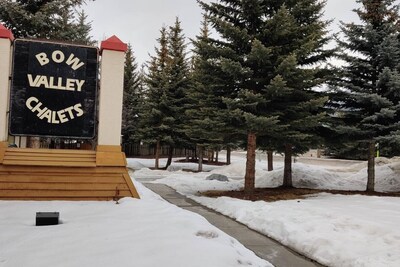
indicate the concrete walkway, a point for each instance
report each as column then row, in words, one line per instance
column 264, row 247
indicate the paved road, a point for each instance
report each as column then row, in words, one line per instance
column 264, row 247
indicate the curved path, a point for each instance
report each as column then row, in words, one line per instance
column 262, row 246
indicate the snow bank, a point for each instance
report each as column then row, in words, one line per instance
column 387, row 178
column 192, row 184
column 147, row 232
column 134, row 164
column 381, row 161
column 304, row 176
column 238, row 170
column 336, row 230
column 342, row 231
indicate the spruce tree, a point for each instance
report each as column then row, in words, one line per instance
column 46, row 19
column 83, row 29
column 156, row 115
column 203, row 125
column 270, row 50
column 178, row 75
column 367, row 87
column 132, row 99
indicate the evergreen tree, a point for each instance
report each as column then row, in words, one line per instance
column 178, row 74
column 83, row 29
column 269, row 49
column 46, row 19
column 367, row 90
column 156, row 115
column 203, row 126
column 132, row 98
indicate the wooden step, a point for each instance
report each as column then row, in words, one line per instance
column 51, row 178
column 55, row 194
column 42, row 174
column 64, row 186
column 49, row 157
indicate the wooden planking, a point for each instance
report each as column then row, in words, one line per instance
column 64, row 186
column 41, row 155
column 2, row 153
column 74, row 185
column 51, row 151
column 130, row 184
column 3, row 148
column 40, row 174
column 50, row 178
column 55, row 169
column 108, row 148
column 48, row 157
column 59, row 198
column 67, row 153
column 110, row 159
column 61, row 193
column 48, row 163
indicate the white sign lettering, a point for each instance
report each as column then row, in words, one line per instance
column 54, row 117
column 55, row 83
column 58, row 57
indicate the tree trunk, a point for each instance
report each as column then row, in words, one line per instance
column 287, row 174
column 157, row 164
column 228, row 156
column 170, row 154
column 371, row 167
column 270, row 157
column 187, row 154
column 200, row 169
column 216, row 155
column 249, row 179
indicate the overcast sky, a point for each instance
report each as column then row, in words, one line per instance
column 138, row 21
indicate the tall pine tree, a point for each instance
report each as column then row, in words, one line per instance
column 298, row 36
column 368, row 86
column 178, row 73
column 132, row 99
column 203, row 125
column 46, row 19
column 155, row 115
column 167, row 81
column 270, row 50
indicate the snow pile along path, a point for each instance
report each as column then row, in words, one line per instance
column 387, row 178
column 335, row 230
column 147, row 232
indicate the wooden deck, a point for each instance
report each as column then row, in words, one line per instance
column 41, row 174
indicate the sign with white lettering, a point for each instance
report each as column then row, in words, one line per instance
column 54, row 89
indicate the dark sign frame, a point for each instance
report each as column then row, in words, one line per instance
column 53, row 90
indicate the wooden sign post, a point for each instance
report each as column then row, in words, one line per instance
column 6, row 38
column 110, row 107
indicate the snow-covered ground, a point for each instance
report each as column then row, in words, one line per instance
column 332, row 229
column 335, row 230
column 147, row 232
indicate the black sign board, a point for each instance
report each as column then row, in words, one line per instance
column 53, row 91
